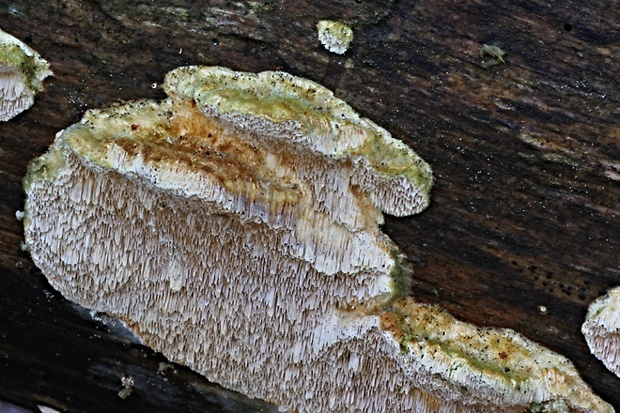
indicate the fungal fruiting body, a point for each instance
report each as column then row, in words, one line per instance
column 602, row 329
column 235, row 227
column 334, row 36
column 22, row 71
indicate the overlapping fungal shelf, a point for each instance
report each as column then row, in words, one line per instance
column 235, row 227
column 602, row 329
column 22, row 71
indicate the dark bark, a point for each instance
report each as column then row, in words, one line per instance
column 526, row 155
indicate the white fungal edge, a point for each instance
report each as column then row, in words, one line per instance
column 46, row 409
column 602, row 329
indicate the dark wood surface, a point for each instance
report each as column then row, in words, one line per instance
column 526, row 155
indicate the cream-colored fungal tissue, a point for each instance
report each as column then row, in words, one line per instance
column 235, row 227
column 334, row 36
column 602, row 329
column 22, row 71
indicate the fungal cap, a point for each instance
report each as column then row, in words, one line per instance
column 22, row 71
column 295, row 110
column 602, row 329
column 253, row 145
column 334, row 36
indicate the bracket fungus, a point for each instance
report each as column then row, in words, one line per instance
column 334, row 36
column 22, row 71
column 602, row 329
column 235, row 227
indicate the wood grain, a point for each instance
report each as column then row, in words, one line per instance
column 526, row 155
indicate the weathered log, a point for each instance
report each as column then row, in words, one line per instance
column 523, row 228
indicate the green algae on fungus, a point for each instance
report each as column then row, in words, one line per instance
column 401, row 275
column 243, row 214
column 22, row 71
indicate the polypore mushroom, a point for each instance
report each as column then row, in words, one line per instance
column 235, row 227
column 334, row 36
column 22, row 71
column 602, row 329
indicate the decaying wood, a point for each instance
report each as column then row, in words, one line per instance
column 526, row 154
